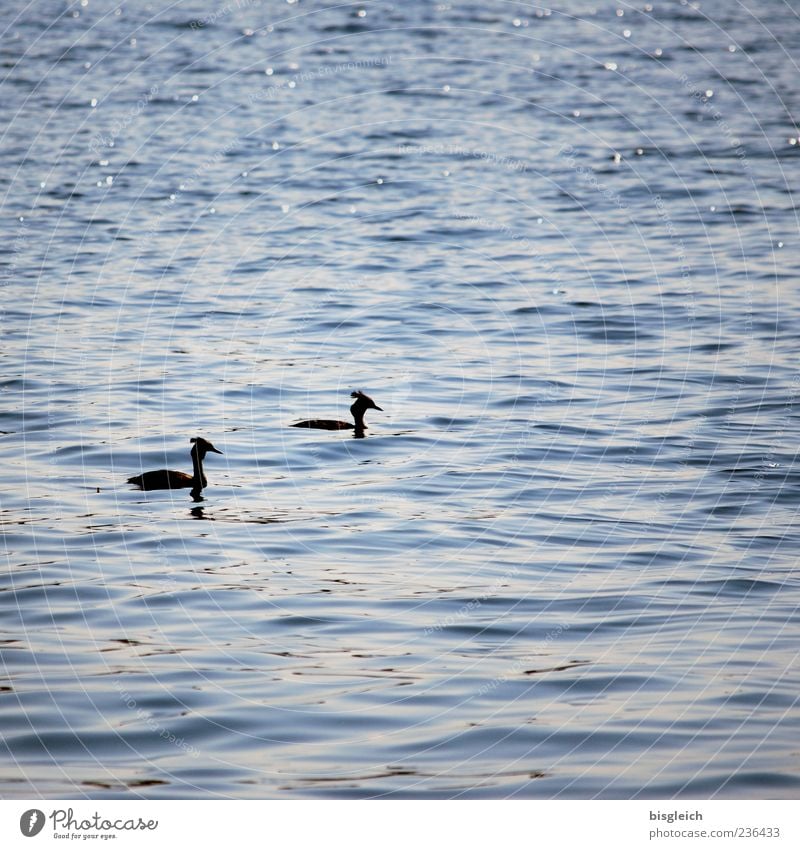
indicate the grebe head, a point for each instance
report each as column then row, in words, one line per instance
column 201, row 447
column 363, row 402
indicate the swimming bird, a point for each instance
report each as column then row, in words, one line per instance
column 359, row 407
column 168, row 479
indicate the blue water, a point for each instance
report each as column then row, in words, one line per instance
column 558, row 246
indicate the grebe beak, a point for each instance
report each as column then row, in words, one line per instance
column 376, row 407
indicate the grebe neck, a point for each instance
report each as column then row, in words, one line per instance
column 199, row 480
column 357, row 410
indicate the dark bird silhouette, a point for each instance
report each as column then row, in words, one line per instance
column 359, row 407
column 169, row 479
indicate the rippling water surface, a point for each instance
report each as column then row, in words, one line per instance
column 558, row 246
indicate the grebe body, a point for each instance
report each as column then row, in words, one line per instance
column 326, row 424
column 170, row 479
column 358, row 408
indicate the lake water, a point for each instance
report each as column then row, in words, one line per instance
column 559, row 247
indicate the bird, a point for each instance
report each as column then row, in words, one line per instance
column 169, row 479
column 358, row 408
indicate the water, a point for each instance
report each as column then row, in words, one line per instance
column 563, row 562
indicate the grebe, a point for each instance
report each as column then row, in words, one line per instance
column 168, row 479
column 359, row 407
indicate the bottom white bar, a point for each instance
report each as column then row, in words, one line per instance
column 401, row 824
